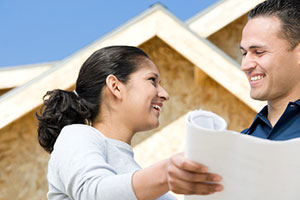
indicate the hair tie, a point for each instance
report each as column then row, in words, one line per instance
column 74, row 91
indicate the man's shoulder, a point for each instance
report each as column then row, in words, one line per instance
column 244, row 131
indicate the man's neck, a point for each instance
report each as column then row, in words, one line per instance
column 275, row 111
column 277, row 107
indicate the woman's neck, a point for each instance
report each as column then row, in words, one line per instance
column 114, row 130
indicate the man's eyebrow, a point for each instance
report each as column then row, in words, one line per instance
column 253, row 47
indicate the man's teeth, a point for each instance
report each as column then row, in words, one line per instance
column 255, row 78
column 157, row 107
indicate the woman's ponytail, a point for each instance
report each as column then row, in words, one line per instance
column 60, row 108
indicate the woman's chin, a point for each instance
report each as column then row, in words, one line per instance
column 151, row 126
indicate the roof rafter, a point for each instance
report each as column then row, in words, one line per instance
column 219, row 15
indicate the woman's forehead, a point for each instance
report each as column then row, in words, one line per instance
column 147, row 66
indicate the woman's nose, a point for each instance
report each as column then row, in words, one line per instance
column 162, row 93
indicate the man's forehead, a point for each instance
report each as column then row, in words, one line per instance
column 260, row 31
column 261, row 24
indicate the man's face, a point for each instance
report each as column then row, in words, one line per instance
column 272, row 69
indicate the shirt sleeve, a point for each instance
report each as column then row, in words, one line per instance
column 167, row 196
column 78, row 163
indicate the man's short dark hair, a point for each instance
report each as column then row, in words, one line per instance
column 288, row 12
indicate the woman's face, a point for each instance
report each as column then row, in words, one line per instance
column 143, row 97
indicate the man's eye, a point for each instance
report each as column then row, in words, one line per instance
column 244, row 53
column 259, row 52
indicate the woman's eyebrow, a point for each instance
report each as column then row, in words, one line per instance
column 155, row 74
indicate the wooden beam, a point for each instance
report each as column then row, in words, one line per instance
column 219, row 15
column 12, row 77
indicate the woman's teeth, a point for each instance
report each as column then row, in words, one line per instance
column 157, row 107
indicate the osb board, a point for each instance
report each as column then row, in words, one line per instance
column 23, row 162
column 177, row 77
column 228, row 38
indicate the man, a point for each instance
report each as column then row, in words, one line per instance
column 271, row 60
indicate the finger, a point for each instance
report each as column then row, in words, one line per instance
column 183, row 163
column 194, row 177
column 175, row 172
column 184, row 187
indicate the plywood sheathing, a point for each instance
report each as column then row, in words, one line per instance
column 228, row 38
column 23, row 163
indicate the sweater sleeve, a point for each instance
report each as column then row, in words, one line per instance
column 78, row 164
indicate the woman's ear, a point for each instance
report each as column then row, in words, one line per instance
column 114, row 86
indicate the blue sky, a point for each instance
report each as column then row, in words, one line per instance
column 37, row 31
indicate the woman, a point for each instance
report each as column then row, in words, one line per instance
column 88, row 133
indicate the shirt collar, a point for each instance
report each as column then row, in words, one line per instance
column 297, row 102
column 262, row 116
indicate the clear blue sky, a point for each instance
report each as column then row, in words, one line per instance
column 36, row 31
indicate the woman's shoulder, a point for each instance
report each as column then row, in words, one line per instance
column 80, row 136
column 81, row 130
column 76, row 142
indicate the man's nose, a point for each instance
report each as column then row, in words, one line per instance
column 248, row 63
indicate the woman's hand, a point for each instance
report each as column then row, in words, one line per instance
column 188, row 177
column 177, row 174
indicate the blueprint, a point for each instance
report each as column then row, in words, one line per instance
column 251, row 168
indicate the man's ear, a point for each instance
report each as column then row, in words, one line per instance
column 298, row 52
column 114, row 86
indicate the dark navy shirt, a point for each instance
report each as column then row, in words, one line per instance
column 287, row 127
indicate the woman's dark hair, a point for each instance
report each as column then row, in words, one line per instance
column 61, row 108
column 287, row 11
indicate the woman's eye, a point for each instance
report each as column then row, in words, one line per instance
column 152, row 79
